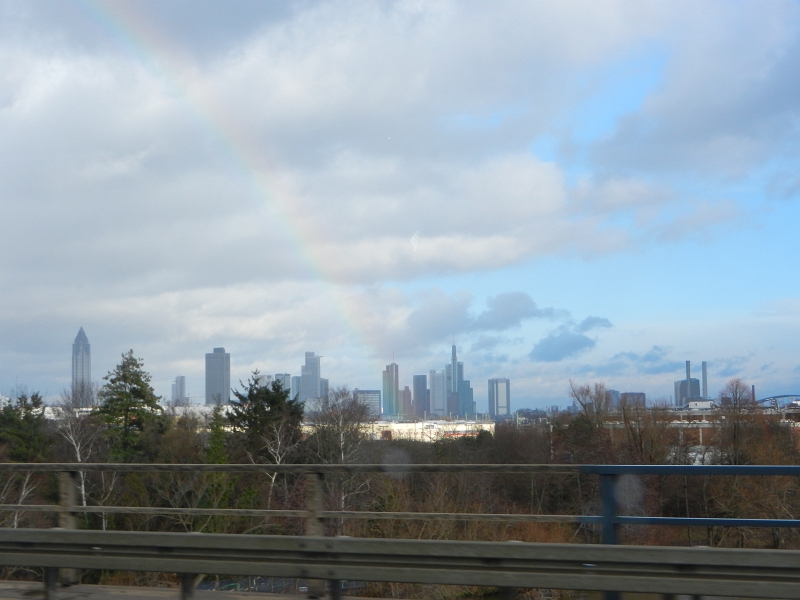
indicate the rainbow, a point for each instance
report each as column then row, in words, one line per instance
column 137, row 36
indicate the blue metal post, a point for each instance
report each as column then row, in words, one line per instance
column 608, row 535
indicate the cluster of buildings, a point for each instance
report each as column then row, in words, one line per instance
column 440, row 393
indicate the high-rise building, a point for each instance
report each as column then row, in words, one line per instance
column 371, row 399
column 82, row 369
column 421, row 395
column 295, row 387
column 499, row 397
column 391, row 390
column 310, row 378
column 458, row 390
column 323, row 388
column 406, row 402
column 179, row 390
column 285, row 380
column 218, row 377
column 438, row 389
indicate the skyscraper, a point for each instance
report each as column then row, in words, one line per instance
column 82, row 370
column 438, row 402
column 421, row 395
column 310, row 378
column 218, row 377
column 285, row 380
column 458, row 390
column 179, row 390
column 371, row 399
column 499, row 397
column 391, row 390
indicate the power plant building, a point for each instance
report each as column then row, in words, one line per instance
column 689, row 388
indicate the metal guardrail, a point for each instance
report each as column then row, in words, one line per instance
column 617, row 561
column 695, row 571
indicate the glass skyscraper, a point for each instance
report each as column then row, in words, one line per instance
column 218, row 377
column 82, row 369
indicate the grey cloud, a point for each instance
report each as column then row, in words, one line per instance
column 655, row 361
column 561, row 345
column 509, row 310
column 590, row 323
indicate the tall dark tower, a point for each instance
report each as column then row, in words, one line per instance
column 82, row 370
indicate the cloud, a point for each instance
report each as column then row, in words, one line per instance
column 407, row 325
column 568, row 341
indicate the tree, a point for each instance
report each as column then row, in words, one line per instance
column 78, row 428
column 738, row 425
column 594, row 401
column 128, row 405
column 23, row 429
column 25, row 437
column 265, row 420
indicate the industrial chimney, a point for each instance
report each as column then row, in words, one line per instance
column 705, row 381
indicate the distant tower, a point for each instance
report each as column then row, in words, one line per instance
column 391, row 390
column 82, row 369
column 179, row 390
column 218, row 377
column 499, row 397
column 310, row 381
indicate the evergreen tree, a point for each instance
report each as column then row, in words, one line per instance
column 128, row 405
column 265, row 420
column 23, row 430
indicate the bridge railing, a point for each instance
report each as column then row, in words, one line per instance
column 314, row 513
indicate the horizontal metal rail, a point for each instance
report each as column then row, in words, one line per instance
column 695, row 571
column 302, row 514
column 403, row 469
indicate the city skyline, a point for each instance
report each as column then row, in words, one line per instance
column 574, row 191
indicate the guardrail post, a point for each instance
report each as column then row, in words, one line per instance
column 608, row 535
column 68, row 499
column 187, row 586
column 50, row 583
column 315, row 504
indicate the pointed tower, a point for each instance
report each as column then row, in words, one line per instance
column 81, row 369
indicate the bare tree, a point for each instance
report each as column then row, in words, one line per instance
column 594, row 401
column 339, row 425
column 77, row 427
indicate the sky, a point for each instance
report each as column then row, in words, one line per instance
column 571, row 191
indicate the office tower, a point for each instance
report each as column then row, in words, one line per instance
column 323, row 388
column 179, row 390
column 438, row 389
column 466, row 402
column 265, row 380
column 612, row 398
column 285, row 380
column 218, row 377
column 421, row 395
column 407, row 402
column 82, row 370
column 295, row 387
column 371, row 399
column 633, row 398
column 499, row 397
column 391, row 390
column 310, row 378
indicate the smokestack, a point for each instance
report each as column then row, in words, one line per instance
column 688, row 376
column 705, row 380
column 753, row 393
